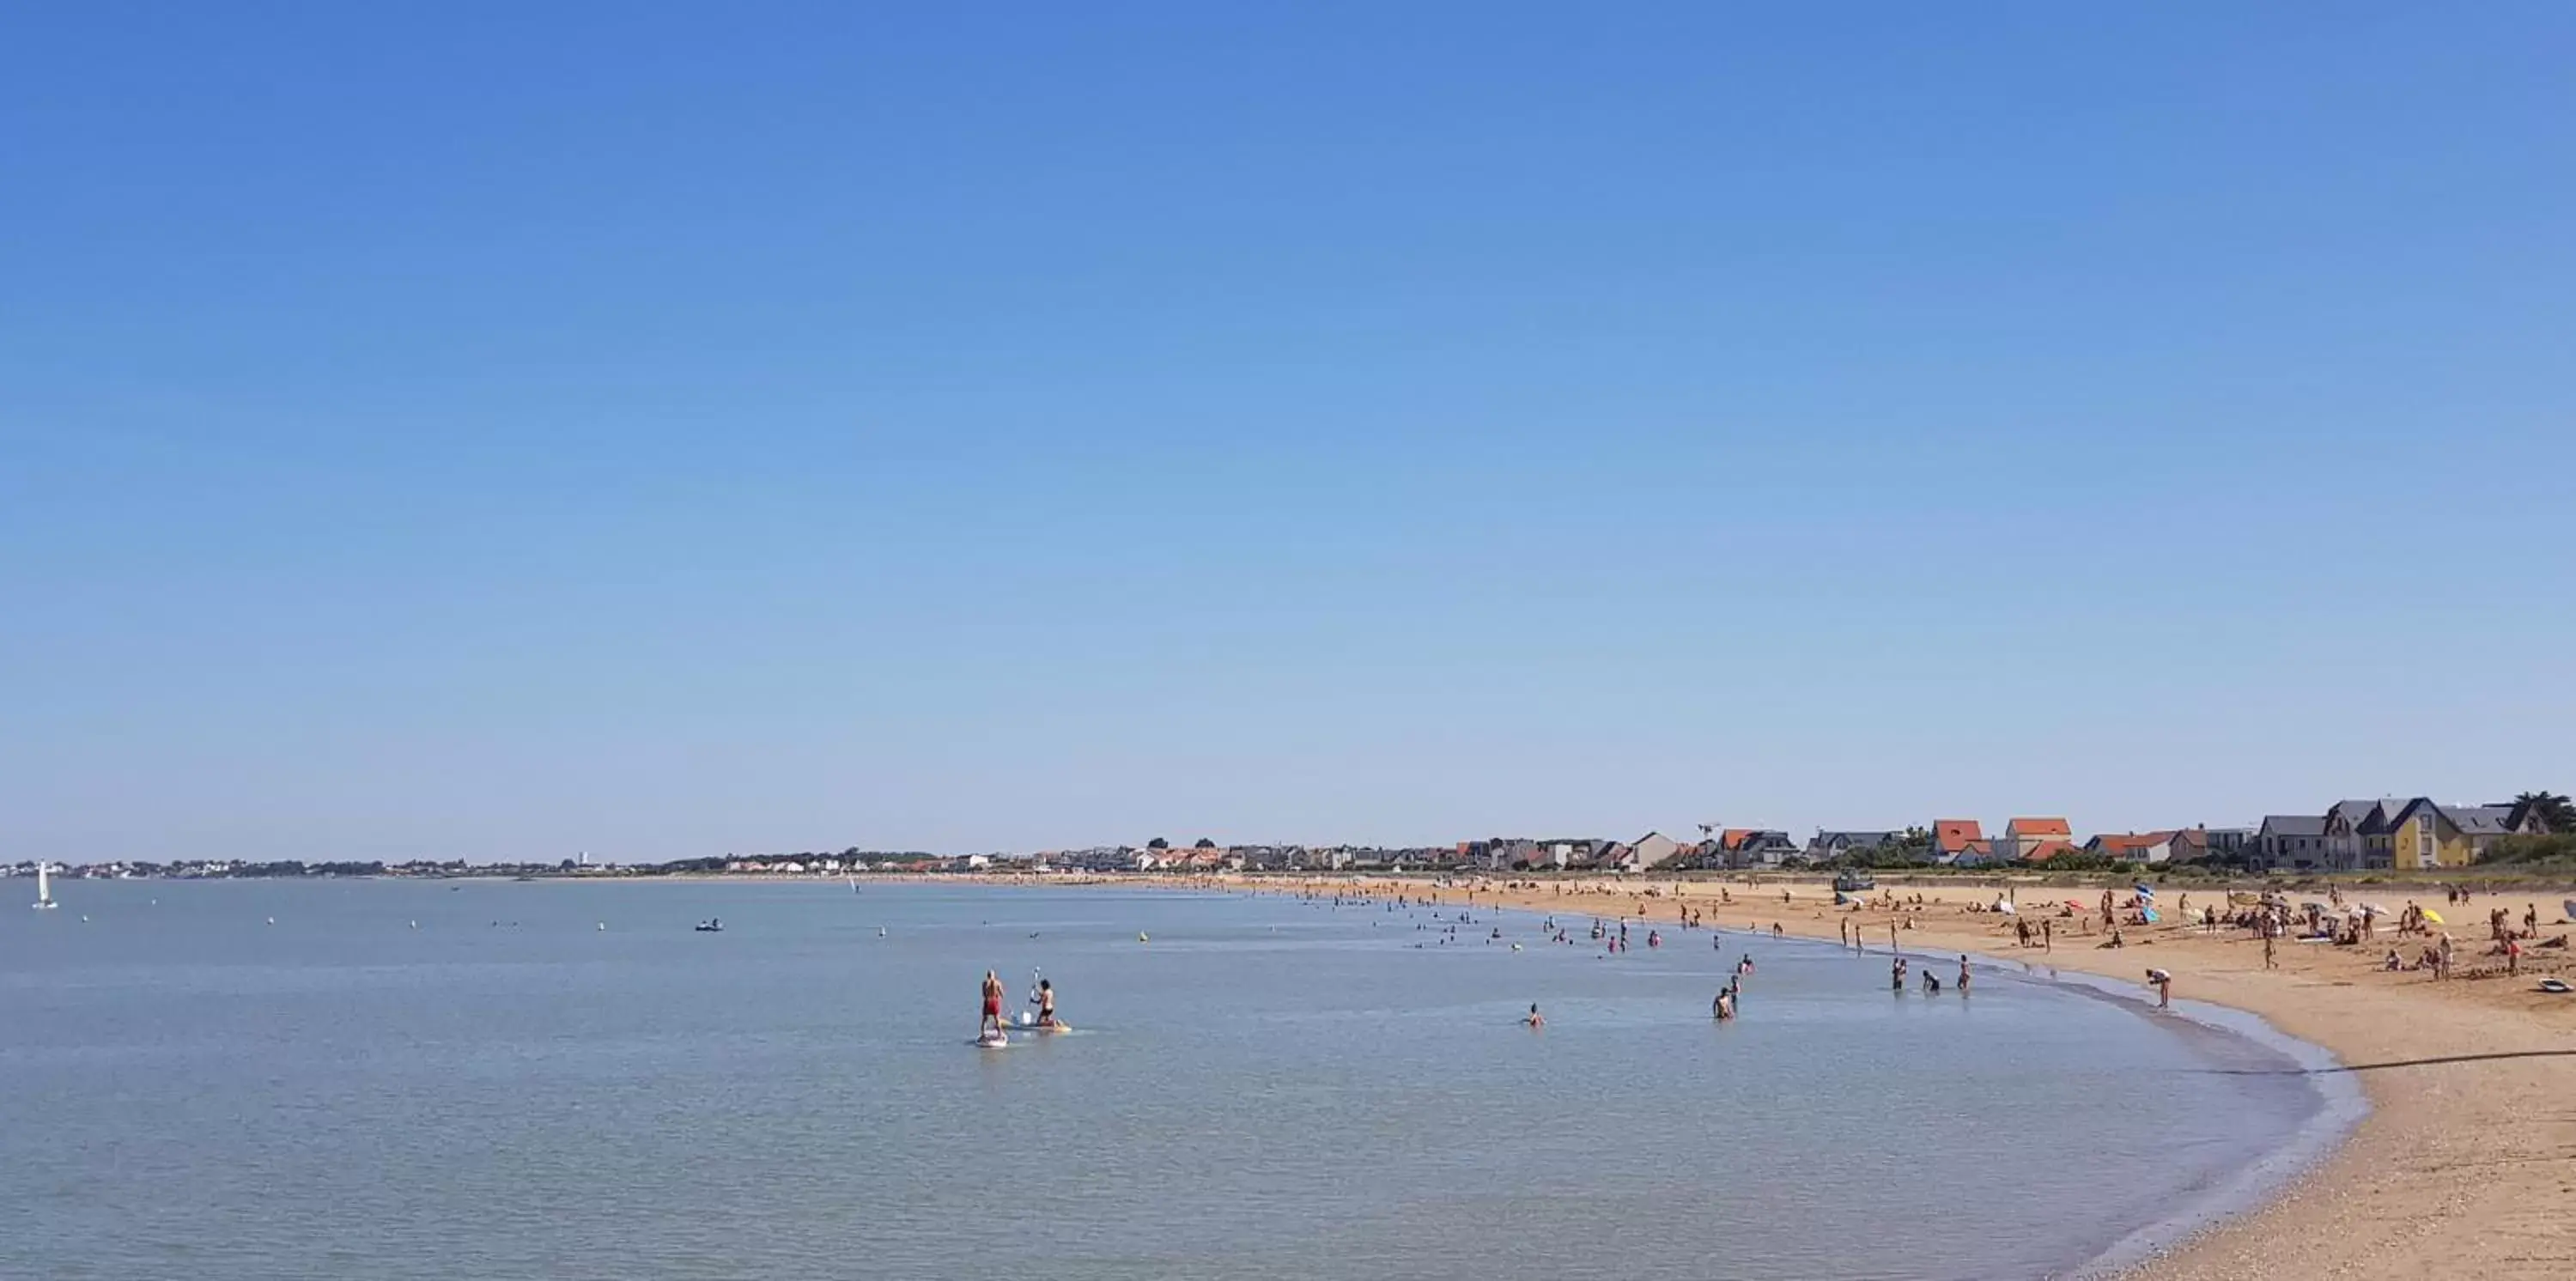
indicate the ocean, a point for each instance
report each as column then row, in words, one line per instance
column 477, row 1080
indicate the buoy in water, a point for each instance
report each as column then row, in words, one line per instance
column 1140, row 936
column 603, row 925
column 272, row 920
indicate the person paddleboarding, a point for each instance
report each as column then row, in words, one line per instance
column 992, row 1023
column 1046, row 1007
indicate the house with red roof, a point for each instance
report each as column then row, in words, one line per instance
column 2047, row 850
column 1954, row 838
column 2022, row 836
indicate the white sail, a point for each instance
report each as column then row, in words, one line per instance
column 44, row 885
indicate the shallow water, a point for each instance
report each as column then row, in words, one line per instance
column 1266, row 1089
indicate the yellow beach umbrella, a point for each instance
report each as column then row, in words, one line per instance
column 2433, row 916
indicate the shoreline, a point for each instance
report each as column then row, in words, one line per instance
column 2460, row 1166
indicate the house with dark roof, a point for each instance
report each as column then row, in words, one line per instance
column 1765, row 847
column 2350, row 829
column 2424, row 835
column 2289, row 841
column 1824, row 845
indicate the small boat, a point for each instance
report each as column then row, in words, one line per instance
column 44, row 889
column 714, row 925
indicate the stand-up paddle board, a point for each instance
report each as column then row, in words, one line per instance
column 991, row 1041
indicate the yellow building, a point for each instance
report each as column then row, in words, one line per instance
column 2425, row 836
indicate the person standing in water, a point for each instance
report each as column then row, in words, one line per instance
column 992, row 1024
column 1535, row 1018
column 1963, row 974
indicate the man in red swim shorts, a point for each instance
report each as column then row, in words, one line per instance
column 992, row 1004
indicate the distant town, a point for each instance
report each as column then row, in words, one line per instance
column 2386, row 834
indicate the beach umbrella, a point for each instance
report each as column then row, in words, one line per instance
column 2073, row 904
column 2433, row 916
column 2144, row 890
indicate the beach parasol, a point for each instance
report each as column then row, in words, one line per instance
column 2075, row 905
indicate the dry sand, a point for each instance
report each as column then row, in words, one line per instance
column 2466, row 1165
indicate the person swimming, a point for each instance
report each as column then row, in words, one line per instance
column 1534, row 1019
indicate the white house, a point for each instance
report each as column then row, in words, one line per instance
column 1654, row 849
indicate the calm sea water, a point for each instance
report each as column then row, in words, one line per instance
column 1266, row 1089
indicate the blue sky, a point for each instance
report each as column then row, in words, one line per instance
column 499, row 431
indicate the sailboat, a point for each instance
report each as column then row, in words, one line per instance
column 854, row 885
column 44, row 888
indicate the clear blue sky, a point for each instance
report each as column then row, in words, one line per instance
column 498, row 430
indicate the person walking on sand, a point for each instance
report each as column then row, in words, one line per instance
column 2269, row 960
column 992, row 1022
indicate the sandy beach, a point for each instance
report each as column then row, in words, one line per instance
column 2466, row 1164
